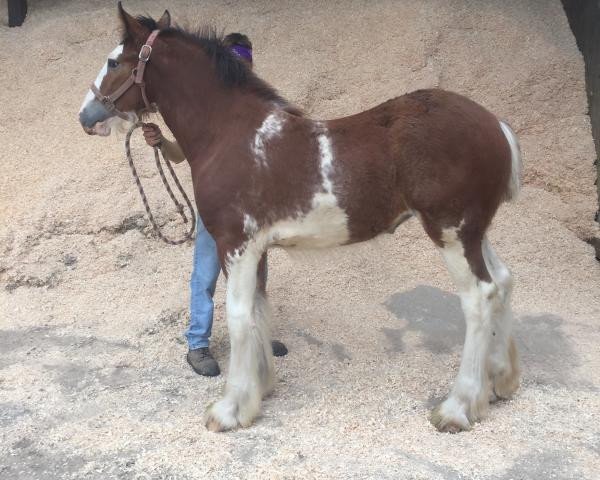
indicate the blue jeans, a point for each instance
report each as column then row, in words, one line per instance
column 202, row 285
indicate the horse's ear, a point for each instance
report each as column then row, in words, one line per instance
column 165, row 20
column 132, row 27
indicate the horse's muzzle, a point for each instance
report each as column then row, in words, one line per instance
column 93, row 113
column 89, row 130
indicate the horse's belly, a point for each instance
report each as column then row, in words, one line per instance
column 326, row 225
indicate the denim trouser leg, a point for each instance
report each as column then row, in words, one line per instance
column 202, row 285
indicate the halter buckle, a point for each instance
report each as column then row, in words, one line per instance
column 108, row 103
column 145, row 52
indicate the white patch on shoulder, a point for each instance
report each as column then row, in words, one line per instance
column 90, row 95
column 270, row 128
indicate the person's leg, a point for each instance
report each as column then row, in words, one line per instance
column 202, row 285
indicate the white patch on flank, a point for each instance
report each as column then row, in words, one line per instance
column 90, row 95
column 271, row 127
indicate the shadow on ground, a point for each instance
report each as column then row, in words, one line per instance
column 435, row 319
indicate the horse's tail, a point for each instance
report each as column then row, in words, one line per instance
column 514, row 183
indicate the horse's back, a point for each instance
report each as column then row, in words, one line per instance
column 431, row 151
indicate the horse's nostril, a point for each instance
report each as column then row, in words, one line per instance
column 93, row 113
column 83, row 120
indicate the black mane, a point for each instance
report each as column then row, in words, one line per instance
column 231, row 71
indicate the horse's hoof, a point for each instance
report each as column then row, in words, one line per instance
column 230, row 414
column 504, row 388
column 448, row 422
column 218, row 417
column 213, row 425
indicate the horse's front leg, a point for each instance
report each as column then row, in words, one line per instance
column 251, row 363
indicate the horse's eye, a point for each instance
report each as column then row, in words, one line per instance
column 112, row 63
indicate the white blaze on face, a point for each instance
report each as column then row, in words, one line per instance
column 271, row 127
column 90, row 95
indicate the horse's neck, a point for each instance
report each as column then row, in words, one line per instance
column 197, row 108
column 193, row 118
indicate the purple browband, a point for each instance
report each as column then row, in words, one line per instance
column 242, row 51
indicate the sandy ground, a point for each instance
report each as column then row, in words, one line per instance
column 93, row 307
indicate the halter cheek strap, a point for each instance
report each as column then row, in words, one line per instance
column 136, row 78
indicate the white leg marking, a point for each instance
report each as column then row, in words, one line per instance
column 251, row 373
column 90, row 95
column 503, row 365
column 469, row 396
column 270, row 128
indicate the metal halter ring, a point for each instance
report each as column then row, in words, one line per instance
column 145, row 48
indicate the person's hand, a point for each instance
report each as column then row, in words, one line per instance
column 152, row 134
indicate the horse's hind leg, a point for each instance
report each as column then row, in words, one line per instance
column 251, row 371
column 469, row 396
column 503, row 363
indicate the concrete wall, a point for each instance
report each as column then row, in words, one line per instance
column 584, row 18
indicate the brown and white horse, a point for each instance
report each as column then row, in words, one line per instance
column 264, row 175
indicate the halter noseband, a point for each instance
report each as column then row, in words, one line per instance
column 136, row 78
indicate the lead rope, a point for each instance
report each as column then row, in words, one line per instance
column 178, row 205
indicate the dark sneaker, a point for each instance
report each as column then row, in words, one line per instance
column 203, row 363
column 279, row 349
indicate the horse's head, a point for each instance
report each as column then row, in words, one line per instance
column 114, row 98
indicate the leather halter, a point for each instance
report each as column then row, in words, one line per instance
column 136, row 78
